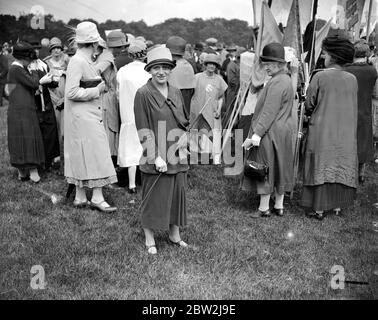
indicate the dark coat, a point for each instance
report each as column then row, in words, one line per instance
column 152, row 110
column 273, row 122
column 331, row 146
column 25, row 142
column 366, row 76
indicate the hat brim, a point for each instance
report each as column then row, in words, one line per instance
column 213, row 62
column 54, row 47
column 170, row 63
column 271, row 59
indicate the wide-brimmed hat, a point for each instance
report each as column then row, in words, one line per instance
column 86, row 32
column 212, row 58
column 159, row 55
column 137, row 49
column 24, row 50
column 211, row 42
column 273, row 52
column 116, row 39
column 176, row 45
column 55, row 43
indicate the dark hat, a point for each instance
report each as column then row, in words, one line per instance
column 273, row 52
column 24, row 50
column 176, row 45
column 31, row 39
column 198, row 46
column 339, row 47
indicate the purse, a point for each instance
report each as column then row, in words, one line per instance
column 255, row 170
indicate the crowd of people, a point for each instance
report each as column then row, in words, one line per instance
column 102, row 107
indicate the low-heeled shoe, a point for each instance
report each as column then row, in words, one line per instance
column 101, row 207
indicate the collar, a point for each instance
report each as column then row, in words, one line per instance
column 159, row 98
column 16, row 63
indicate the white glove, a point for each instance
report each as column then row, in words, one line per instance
column 256, row 140
column 247, row 144
column 48, row 78
column 160, row 165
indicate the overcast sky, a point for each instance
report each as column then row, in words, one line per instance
column 153, row 11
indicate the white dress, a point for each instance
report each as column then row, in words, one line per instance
column 130, row 78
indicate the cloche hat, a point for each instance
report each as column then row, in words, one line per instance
column 212, row 58
column 116, row 39
column 55, row 43
column 159, row 55
column 176, row 45
column 86, row 32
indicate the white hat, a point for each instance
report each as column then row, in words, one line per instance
column 86, row 32
column 159, row 55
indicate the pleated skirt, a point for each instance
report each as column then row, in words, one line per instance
column 164, row 203
column 328, row 196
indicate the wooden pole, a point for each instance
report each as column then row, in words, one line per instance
column 368, row 20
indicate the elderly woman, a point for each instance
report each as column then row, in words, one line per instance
column 209, row 92
column 366, row 76
column 25, row 141
column 330, row 159
column 87, row 156
column 271, row 133
column 160, row 120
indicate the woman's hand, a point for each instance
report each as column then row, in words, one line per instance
column 252, row 142
column 101, row 87
column 161, row 165
column 48, row 78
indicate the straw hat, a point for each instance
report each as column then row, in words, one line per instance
column 86, row 32
column 137, row 49
column 159, row 55
column 212, row 58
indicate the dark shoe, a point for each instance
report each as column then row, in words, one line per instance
column 101, row 207
column 132, row 190
column 179, row 243
column 80, row 204
column 258, row 214
column 278, row 212
column 25, row 178
column 316, row 215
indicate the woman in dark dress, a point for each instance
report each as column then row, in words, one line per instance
column 25, row 141
column 366, row 76
column 160, row 120
column 330, row 159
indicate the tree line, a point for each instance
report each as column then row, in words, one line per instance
column 228, row 31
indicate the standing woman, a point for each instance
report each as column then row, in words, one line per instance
column 25, row 141
column 130, row 78
column 87, row 160
column 330, row 159
column 209, row 88
column 271, row 132
column 366, row 76
column 160, row 119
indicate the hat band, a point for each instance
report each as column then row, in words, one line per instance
column 272, row 59
column 159, row 61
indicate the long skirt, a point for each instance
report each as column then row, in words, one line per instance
column 166, row 203
column 328, row 196
column 25, row 141
column 49, row 130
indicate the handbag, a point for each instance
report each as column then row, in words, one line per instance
column 255, row 170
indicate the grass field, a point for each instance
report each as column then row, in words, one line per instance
column 90, row 255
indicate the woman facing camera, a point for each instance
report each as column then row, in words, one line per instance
column 270, row 138
column 87, row 159
column 160, row 120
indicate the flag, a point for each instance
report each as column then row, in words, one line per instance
column 320, row 36
column 268, row 33
column 292, row 36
